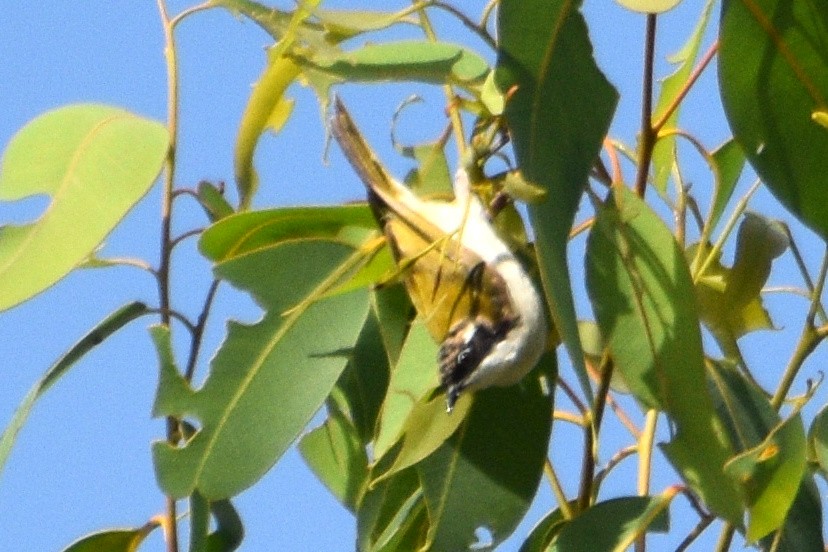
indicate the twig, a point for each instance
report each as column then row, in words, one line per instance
column 648, row 133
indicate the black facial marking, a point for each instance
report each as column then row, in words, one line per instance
column 463, row 350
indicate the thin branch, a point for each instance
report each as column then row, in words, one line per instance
column 691, row 80
column 198, row 331
column 703, row 524
column 557, row 489
column 188, row 234
column 648, row 134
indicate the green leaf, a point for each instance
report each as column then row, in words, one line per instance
column 350, row 23
column 335, row 453
column 769, row 475
column 728, row 162
column 543, row 532
column 247, row 232
column 113, row 540
column 486, row 475
column 729, row 299
column 557, row 131
column 410, row 381
column 392, row 515
column 664, row 153
column 640, row 288
column 405, row 60
column 268, row 379
column 229, row 531
column 212, row 200
column 803, row 526
column 649, row 6
column 95, row 337
column 773, row 76
column 614, row 524
column 771, row 463
column 818, row 440
column 95, row 162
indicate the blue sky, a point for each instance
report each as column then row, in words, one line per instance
column 82, row 463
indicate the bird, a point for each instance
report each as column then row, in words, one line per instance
column 475, row 297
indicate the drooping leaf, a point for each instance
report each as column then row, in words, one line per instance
column 486, row 475
column 407, row 60
column 268, row 379
column 229, row 531
column 212, row 200
column 773, row 76
column 614, row 524
column 246, row 232
column 95, row 162
column 410, row 381
column 113, row 540
column 95, row 337
column 771, row 463
column 729, row 299
column 544, row 66
column 664, row 153
column 335, row 453
column 640, row 288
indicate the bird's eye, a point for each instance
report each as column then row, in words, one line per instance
column 462, row 356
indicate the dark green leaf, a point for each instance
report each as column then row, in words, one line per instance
column 335, row 453
column 614, row 524
column 268, row 379
column 773, row 77
column 390, row 512
column 771, row 463
column 486, row 475
column 802, row 531
column 818, row 440
column 543, row 533
column 640, row 288
column 229, row 530
column 95, row 337
column 557, row 131
column 213, row 202
column 95, row 162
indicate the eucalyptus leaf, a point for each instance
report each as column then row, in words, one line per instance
column 95, row 337
column 486, row 475
column 649, row 6
column 544, row 65
column 95, row 162
column 229, row 531
column 728, row 162
column 113, row 540
column 390, row 513
column 640, row 288
column 267, row 379
column 773, row 76
column 818, row 440
column 664, row 152
column 612, row 525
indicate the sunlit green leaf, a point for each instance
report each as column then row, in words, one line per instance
column 349, row 23
column 773, row 76
column 410, row 381
column 485, row 476
column 246, row 232
column 276, row 372
column 95, row 162
column 113, row 540
column 728, row 162
column 408, row 60
column 649, row 6
column 664, row 152
column 612, row 525
column 544, row 66
column 803, row 526
column 729, row 299
column 818, row 439
column 95, row 337
column 642, row 295
column 335, row 453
